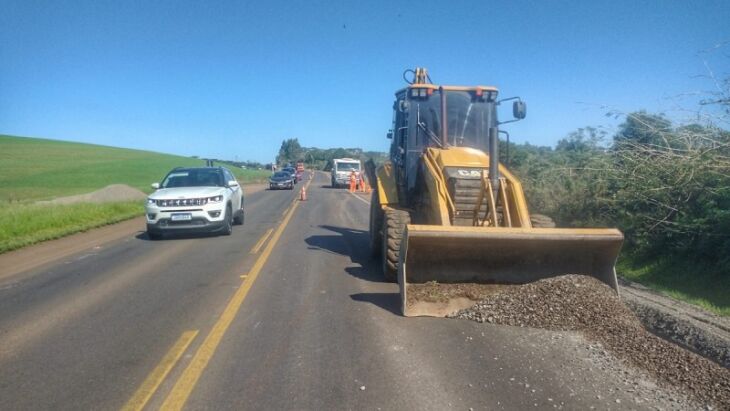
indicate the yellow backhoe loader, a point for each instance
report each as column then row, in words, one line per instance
column 446, row 211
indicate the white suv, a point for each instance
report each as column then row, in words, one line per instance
column 201, row 199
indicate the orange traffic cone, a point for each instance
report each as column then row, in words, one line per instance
column 303, row 195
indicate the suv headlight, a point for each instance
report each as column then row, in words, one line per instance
column 215, row 199
column 151, row 201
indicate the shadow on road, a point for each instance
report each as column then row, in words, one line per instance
column 387, row 301
column 142, row 235
column 351, row 243
column 355, row 244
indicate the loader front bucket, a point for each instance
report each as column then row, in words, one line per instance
column 499, row 256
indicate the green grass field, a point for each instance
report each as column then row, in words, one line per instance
column 683, row 280
column 34, row 169
column 22, row 226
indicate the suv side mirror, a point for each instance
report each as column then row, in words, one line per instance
column 156, row 186
column 389, row 135
column 519, row 109
column 232, row 183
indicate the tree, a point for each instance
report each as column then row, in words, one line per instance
column 583, row 140
column 290, row 151
column 644, row 128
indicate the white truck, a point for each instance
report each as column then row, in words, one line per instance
column 341, row 169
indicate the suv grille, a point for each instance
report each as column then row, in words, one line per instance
column 182, row 202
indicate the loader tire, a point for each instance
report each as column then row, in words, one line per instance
column 376, row 225
column 541, row 221
column 394, row 224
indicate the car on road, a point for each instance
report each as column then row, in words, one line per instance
column 293, row 172
column 195, row 199
column 281, row 180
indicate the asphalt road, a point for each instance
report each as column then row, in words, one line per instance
column 286, row 313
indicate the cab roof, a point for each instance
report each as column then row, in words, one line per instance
column 447, row 88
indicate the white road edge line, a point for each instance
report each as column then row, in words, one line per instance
column 360, row 198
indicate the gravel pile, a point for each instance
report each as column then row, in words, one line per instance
column 581, row 303
column 434, row 292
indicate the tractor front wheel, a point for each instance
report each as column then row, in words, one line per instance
column 394, row 225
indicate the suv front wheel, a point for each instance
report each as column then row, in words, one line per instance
column 238, row 219
column 228, row 222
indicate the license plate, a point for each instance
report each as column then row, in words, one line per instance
column 181, row 217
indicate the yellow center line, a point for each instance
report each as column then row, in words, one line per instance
column 153, row 381
column 189, row 378
column 261, row 242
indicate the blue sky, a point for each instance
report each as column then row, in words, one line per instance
column 232, row 79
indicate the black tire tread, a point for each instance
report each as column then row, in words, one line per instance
column 238, row 219
column 394, row 223
column 228, row 228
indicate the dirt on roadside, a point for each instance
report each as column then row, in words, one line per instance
column 582, row 303
column 110, row 193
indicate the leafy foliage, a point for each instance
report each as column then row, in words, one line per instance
column 666, row 187
column 290, row 151
column 673, row 191
column 321, row 159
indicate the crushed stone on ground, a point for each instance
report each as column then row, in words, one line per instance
column 698, row 330
column 582, row 303
column 434, row 292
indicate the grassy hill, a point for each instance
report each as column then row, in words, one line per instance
column 33, row 169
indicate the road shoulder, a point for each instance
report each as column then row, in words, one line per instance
column 37, row 255
column 689, row 326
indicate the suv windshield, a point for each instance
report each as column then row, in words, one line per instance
column 469, row 119
column 282, row 174
column 348, row 166
column 193, row 178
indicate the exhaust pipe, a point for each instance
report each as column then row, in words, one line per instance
column 494, row 159
column 444, row 120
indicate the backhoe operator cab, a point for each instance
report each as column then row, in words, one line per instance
column 471, row 114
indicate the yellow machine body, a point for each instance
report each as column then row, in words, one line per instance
column 500, row 246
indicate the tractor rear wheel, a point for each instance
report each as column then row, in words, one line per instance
column 394, row 224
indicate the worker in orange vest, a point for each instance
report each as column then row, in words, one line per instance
column 353, row 181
